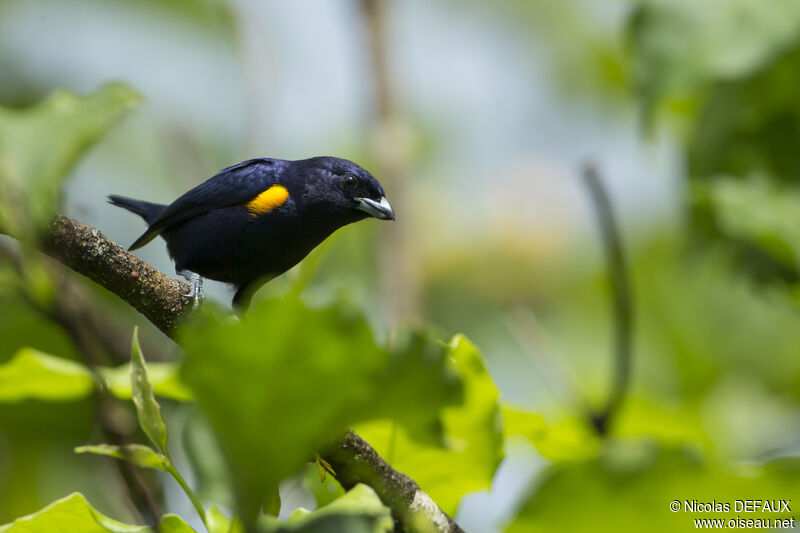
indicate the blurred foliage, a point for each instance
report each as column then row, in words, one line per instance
column 759, row 215
column 31, row 374
column 39, row 146
column 71, row 513
column 750, row 124
column 585, row 56
column 714, row 410
column 682, row 46
column 472, row 434
column 568, row 439
column 359, row 509
column 276, row 363
column 631, row 484
column 729, row 71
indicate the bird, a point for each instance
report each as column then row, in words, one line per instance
column 255, row 220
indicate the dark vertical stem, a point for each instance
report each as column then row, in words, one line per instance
column 622, row 301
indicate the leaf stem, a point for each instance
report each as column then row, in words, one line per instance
column 189, row 492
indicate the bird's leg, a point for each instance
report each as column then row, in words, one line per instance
column 196, row 292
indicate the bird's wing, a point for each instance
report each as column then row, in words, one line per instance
column 233, row 185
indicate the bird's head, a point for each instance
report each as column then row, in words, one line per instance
column 342, row 188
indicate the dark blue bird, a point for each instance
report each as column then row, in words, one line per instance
column 255, row 220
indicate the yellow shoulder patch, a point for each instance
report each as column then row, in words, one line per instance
column 268, row 200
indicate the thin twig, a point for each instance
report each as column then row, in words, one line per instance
column 622, row 302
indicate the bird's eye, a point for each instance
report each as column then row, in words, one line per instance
column 349, row 181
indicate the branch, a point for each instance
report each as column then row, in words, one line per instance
column 355, row 461
column 160, row 299
column 87, row 251
column 623, row 307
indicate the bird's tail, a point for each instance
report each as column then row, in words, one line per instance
column 146, row 210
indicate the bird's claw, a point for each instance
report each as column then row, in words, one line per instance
column 196, row 288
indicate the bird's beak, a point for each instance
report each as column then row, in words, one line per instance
column 381, row 210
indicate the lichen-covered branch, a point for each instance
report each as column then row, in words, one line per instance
column 160, row 299
column 355, row 461
column 87, row 251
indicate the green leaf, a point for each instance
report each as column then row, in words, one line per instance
column 137, row 454
column 680, row 45
column 324, row 491
column 473, row 441
column 359, row 510
column 162, row 376
column 172, row 523
column 759, row 213
column 31, row 374
column 147, row 407
column 418, row 368
column 72, row 513
column 631, row 483
column 219, row 523
column 39, row 146
column 566, row 439
column 288, row 379
column 360, row 501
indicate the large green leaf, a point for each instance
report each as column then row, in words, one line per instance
column 72, row 513
column 287, row 379
column 31, row 374
column 630, row 485
column 680, row 45
column 38, row 147
column 473, row 442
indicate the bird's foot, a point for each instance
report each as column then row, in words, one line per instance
column 196, row 291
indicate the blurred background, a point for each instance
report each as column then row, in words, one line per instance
column 478, row 118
